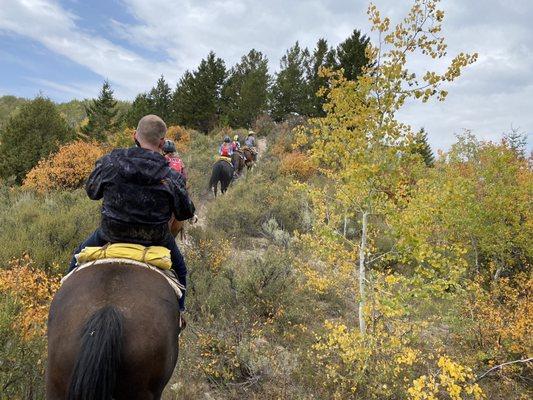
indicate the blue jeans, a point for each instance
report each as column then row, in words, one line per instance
column 178, row 263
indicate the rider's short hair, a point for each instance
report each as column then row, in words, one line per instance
column 151, row 129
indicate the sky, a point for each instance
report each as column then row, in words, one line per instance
column 66, row 48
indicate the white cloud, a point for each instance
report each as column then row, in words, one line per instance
column 79, row 91
column 493, row 94
column 55, row 28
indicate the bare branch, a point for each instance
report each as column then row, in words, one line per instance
column 525, row 360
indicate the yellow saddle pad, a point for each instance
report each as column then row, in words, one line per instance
column 227, row 159
column 157, row 256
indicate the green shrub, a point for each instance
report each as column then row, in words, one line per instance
column 198, row 162
column 47, row 227
column 33, row 133
column 250, row 203
column 21, row 361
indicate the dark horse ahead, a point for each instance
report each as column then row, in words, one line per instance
column 223, row 173
column 112, row 334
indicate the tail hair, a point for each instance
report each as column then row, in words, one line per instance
column 94, row 376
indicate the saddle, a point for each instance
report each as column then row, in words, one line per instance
column 223, row 158
column 252, row 150
column 156, row 258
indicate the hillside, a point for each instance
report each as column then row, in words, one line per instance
column 73, row 111
column 261, row 323
column 350, row 263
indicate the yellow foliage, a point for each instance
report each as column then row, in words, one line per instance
column 34, row 289
column 66, row 169
column 181, row 137
column 452, row 381
column 211, row 253
column 298, row 165
column 219, row 359
column 502, row 318
column 351, row 361
column 122, row 139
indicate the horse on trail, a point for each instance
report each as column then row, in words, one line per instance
column 112, row 334
column 238, row 160
column 223, row 173
column 249, row 156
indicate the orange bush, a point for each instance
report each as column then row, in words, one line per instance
column 34, row 289
column 298, row 165
column 282, row 145
column 66, row 169
column 181, row 137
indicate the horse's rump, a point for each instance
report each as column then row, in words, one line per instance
column 223, row 173
column 147, row 309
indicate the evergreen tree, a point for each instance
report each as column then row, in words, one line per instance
column 290, row 92
column 33, row 133
column 101, row 115
column 517, row 141
column 161, row 101
column 182, row 99
column 141, row 106
column 323, row 57
column 423, row 148
column 351, row 55
column 245, row 94
column 197, row 98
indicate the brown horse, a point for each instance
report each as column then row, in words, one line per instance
column 176, row 227
column 238, row 162
column 112, row 334
column 249, row 156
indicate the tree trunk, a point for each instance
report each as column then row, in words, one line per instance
column 362, row 277
column 498, row 271
column 345, row 225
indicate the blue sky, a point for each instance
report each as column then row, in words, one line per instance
column 66, row 48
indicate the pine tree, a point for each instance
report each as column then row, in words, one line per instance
column 517, row 141
column 323, row 57
column 197, row 98
column 245, row 93
column 101, row 115
column 290, row 92
column 141, row 106
column 33, row 133
column 351, row 55
column 423, row 148
column 161, row 100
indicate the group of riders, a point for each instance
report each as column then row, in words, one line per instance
column 229, row 147
column 143, row 188
column 226, row 150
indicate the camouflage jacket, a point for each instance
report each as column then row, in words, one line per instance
column 140, row 193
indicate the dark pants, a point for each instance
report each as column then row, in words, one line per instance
column 178, row 263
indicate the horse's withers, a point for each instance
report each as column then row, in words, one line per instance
column 88, row 309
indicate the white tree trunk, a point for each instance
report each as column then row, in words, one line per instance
column 345, row 225
column 362, row 277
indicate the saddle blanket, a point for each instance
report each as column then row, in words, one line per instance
column 167, row 274
column 227, row 159
column 158, row 256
